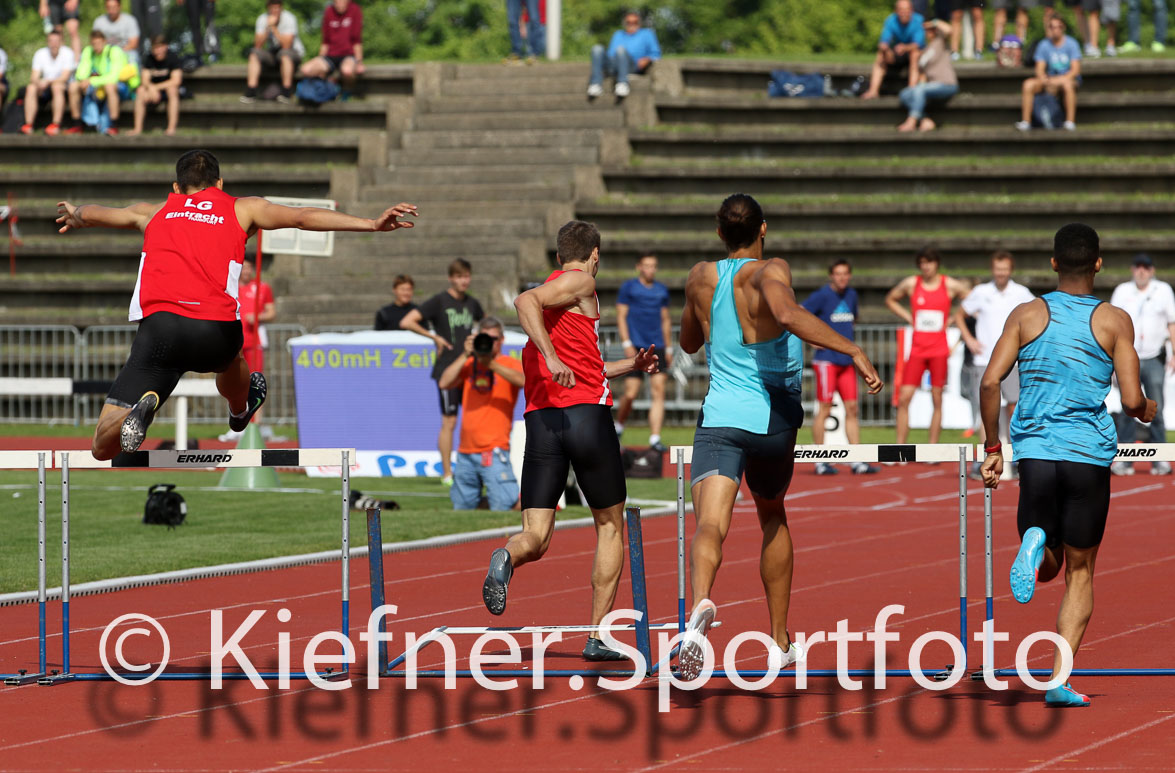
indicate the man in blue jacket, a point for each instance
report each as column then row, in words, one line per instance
column 632, row 49
column 902, row 41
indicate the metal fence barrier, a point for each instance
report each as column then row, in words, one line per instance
column 44, row 351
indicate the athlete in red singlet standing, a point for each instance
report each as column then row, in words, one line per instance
column 185, row 298
column 930, row 295
column 569, row 423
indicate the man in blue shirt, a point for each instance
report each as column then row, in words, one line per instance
column 642, row 315
column 1058, row 71
column 902, row 41
column 835, row 304
column 632, row 49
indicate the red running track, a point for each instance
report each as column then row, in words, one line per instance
column 862, row 543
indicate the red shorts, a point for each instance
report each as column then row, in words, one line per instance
column 831, row 377
column 915, row 366
column 255, row 357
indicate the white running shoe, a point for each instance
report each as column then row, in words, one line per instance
column 1122, row 468
column 1023, row 126
column 621, row 90
column 1161, row 468
column 777, row 658
column 691, row 658
column 594, row 90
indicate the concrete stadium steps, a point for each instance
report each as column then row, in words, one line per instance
column 229, row 114
column 963, row 110
column 510, row 138
column 818, row 179
column 750, row 76
column 26, row 291
column 77, row 315
column 91, row 149
column 517, row 74
column 84, row 253
column 539, row 104
column 956, row 214
column 538, row 119
column 733, row 143
column 380, row 81
column 450, row 157
column 150, row 183
column 457, row 194
column 475, row 174
column 553, row 85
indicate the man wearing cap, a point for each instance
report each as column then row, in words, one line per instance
column 1151, row 306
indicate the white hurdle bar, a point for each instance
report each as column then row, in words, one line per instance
column 64, row 460
column 812, row 454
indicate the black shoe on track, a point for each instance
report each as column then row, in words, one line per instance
column 134, row 427
column 596, row 651
column 255, row 401
column 493, row 590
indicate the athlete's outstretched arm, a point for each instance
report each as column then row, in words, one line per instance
column 565, row 290
column 1134, row 403
column 773, row 282
column 89, row 215
column 255, row 213
column 645, row 361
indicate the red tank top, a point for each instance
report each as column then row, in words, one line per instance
column 576, row 338
column 930, row 309
column 192, row 254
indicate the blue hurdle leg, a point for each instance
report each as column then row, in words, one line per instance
column 375, row 566
column 636, row 557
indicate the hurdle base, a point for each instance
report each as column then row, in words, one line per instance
column 55, row 679
column 16, row 680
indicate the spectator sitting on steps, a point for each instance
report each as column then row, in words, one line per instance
column 121, row 29
column 275, row 44
column 938, row 81
column 52, row 67
column 632, row 49
column 902, row 39
column 341, row 52
column 162, row 77
column 1058, row 71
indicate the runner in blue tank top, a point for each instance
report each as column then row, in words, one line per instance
column 1068, row 345
column 744, row 311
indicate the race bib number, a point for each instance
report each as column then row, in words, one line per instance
column 929, row 321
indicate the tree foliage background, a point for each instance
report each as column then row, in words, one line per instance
column 405, row 30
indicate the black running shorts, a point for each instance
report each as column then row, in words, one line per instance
column 168, row 345
column 767, row 460
column 1070, row 501
column 581, row 436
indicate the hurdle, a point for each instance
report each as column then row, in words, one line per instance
column 171, row 459
column 642, row 627
column 1134, row 452
column 811, row 454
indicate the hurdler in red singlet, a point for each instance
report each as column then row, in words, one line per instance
column 569, row 424
column 930, row 296
column 185, row 297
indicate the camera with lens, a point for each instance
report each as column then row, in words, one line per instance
column 483, row 344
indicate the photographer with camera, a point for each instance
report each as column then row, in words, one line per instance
column 490, row 381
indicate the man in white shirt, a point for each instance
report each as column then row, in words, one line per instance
column 1151, row 306
column 275, row 44
column 52, row 66
column 990, row 304
column 121, row 29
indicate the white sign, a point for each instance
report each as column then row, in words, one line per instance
column 291, row 241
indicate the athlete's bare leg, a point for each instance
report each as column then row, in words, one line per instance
column 106, row 443
column 445, row 444
column 632, row 389
column 233, row 385
column 936, row 416
column 775, row 565
column 904, row 397
column 657, row 383
column 1077, row 605
column 538, row 524
column 852, row 422
column 713, row 505
column 823, row 411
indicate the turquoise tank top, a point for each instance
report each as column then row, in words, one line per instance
column 754, row 387
column 1064, row 379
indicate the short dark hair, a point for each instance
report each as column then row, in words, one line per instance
column 491, row 323
column 97, row 34
column 576, row 240
column 1076, row 248
column 646, row 254
column 159, row 40
column 458, row 266
column 197, row 170
column 1002, row 255
column 402, row 279
column 840, row 262
column 739, row 219
column 927, row 253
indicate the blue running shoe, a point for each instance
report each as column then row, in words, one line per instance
column 1065, row 697
column 1023, row 575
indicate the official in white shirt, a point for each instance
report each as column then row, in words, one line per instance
column 1151, row 306
column 990, row 304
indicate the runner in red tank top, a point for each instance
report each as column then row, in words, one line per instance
column 569, row 424
column 930, row 296
column 185, row 296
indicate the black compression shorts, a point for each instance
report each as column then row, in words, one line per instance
column 581, row 436
column 168, row 345
column 1070, row 501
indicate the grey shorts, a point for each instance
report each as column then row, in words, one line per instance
column 269, row 57
column 1009, row 388
column 1111, row 10
column 767, row 460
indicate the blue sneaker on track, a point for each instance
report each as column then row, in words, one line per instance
column 1065, row 697
column 1023, row 574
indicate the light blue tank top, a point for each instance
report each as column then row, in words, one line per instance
column 754, row 387
column 1064, row 379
